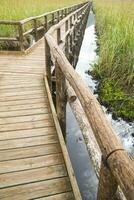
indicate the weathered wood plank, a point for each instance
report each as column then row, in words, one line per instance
column 31, row 163
column 28, row 142
column 36, row 190
column 24, row 102
column 33, row 175
column 21, row 97
column 27, row 133
column 28, row 118
column 26, row 112
column 28, row 152
column 21, row 107
column 64, row 196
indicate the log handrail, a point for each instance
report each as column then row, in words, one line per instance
column 22, row 33
column 117, row 168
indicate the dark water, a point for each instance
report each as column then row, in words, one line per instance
column 82, row 165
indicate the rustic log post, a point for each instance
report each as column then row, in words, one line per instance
column 58, row 36
column 65, row 12
column 45, row 24
column 71, row 22
column 53, row 19
column 48, row 64
column 58, row 16
column 107, row 184
column 62, row 14
column 35, row 29
column 66, row 26
column 21, row 37
column 60, row 93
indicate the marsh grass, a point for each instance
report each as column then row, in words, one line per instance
column 21, row 9
column 115, row 28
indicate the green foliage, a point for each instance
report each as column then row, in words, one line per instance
column 112, row 95
column 115, row 28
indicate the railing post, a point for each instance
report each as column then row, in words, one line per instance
column 48, row 63
column 60, row 94
column 71, row 22
column 66, row 26
column 45, row 24
column 65, row 12
column 21, row 37
column 107, row 184
column 35, row 29
column 53, row 19
column 58, row 16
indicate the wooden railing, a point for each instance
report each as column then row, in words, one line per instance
column 35, row 24
column 117, row 168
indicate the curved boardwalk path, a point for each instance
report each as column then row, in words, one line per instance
column 31, row 160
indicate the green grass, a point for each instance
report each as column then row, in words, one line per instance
column 115, row 28
column 21, row 9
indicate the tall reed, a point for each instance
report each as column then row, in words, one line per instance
column 115, row 28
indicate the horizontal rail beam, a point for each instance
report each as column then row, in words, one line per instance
column 8, row 39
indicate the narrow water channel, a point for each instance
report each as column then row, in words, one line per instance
column 82, row 165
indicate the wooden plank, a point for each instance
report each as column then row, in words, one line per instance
column 20, row 89
column 27, row 133
column 36, row 190
column 29, row 118
column 19, row 93
column 22, row 107
column 33, row 175
column 22, row 97
column 20, row 86
column 63, row 196
column 20, row 77
column 21, row 62
column 26, row 125
column 15, row 80
column 27, row 74
column 31, row 163
column 28, row 142
column 26, row 112
column 23, row 102
column 23, row 71
column 28, row 152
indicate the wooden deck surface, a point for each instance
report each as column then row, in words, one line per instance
column 31, row 160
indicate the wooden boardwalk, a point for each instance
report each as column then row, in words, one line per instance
column 31, row 160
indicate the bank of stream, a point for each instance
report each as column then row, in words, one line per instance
column 81, row 162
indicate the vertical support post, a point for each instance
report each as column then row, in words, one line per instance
column 66, row 42
column 58, row 36
column 48, row 63
column 58, row 16
column 21, row 37
column 107, row 184
column 35, row 29
column 45, row 24
column 66, row 26
column 62, row 14
column 71, row 22
column 60, row 94
column 65, row 12
column 53, row 19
